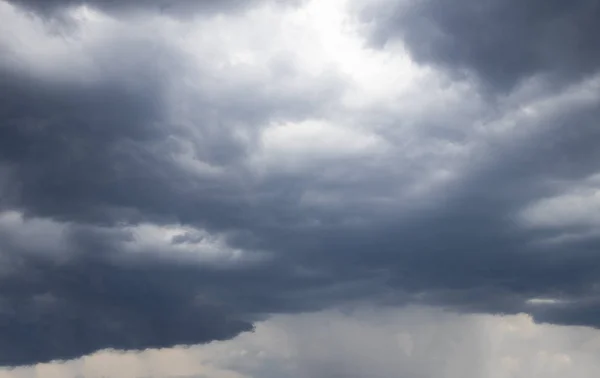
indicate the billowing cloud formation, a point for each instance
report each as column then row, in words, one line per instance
column 61, row 310
column 502, row 42
column 169, row 182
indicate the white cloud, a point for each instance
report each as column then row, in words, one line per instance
column 309, row 144
column 572, row 214
column 578, row 208
column 21, row 234
column 187, row 244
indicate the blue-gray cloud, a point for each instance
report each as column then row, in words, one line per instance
column 501, row 42
column 96, row 159
column 179, row 8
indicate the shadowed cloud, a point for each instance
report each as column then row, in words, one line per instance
column 502, row 42
column 161, row 186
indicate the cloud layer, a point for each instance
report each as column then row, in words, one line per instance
column 172, row 180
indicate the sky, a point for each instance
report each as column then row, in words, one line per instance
column 299, row 188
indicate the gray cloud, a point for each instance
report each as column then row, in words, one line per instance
column 501, row 42
column 62, row 311
column 180, row 8
column 94, row 157
column 106, row 148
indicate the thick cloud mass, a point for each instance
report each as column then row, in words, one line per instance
column 502, row 42
column 62, row 311
column 169, row 182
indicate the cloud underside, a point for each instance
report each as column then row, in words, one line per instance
column 152, row 197
column 501, row 42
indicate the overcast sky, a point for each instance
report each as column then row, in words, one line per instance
column 299, row 188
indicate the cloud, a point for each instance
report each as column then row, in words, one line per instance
column 412, row 342
column 89, row 153
column 179, row 8
column 503, row 43
column 170, row 182
column 98, row 295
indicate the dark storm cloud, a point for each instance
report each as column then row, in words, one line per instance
column 170, row 7
column 104, row 153
column 502, row 42
column 469, row 253
column 94, row 294
column 62, row 310
column 97, row 156
column 580, row 313
column 63, row 138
